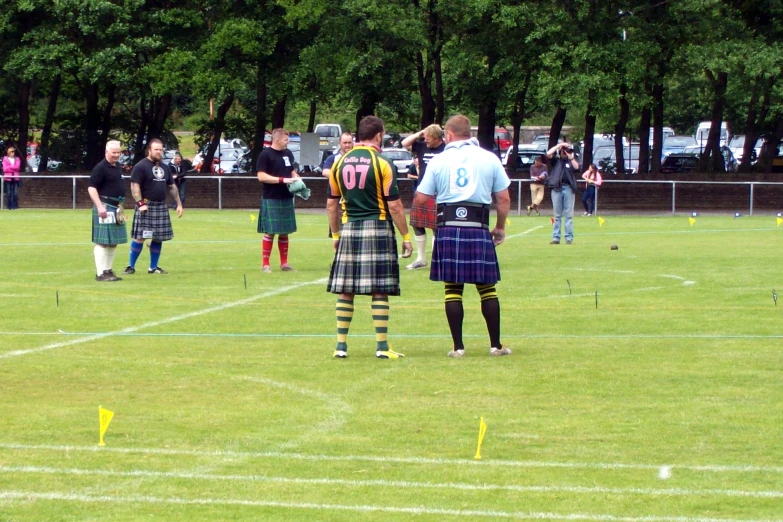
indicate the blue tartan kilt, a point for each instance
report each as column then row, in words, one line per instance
column 154, row 224
column 464, row 255
column 277, row 216
column 366, row 259
column 108, row 233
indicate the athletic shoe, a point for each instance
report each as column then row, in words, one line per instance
column 112, row 276
column 537, row 212
column 129, row 270
column 286, row 268
column 500, row 351
column 340, row 354
column 553, row 242
column 388, row 354
column 569, row 241
column 107, row 275
column 266, row 269
column 417, row 265
column 456, row 353
column 529, row 209
column 585, row 214
column 156, row 270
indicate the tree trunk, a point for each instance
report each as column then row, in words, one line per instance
column 25, row 90
column 440, row 106
column 424, row 76
column 367, row 107
column 160, row 107
column 311, row 118
column 106, row 118
column 557, row 126
column 141, row 131
column 518, row 113
column 712, row 159
column 486, row 124
column 258, row 138
column 620, row 126
column 755, row 115
column 587, row 152
column 220, row 126
column 644, row 141
column 278, row 113
column 92, row 126
column 657, row 149
column 46, row 133
column 771, row 148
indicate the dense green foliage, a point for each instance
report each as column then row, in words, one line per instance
column 81, row 71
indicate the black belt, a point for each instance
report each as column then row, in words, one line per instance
column 112, row 201
column 469, row 215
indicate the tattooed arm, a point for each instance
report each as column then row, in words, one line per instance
column 175, row 194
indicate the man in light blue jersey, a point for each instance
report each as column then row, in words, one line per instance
column 464, row 177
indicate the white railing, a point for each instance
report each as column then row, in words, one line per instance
column 519, row 182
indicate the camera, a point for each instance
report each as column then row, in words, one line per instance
column 569, row 150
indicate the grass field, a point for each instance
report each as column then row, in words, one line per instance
column 659, row 400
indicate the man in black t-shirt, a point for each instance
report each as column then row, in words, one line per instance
column 423, row 216
column 275, row 168
column 107, row 191
column 150, row 181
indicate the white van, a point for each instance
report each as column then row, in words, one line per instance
column 704, row 129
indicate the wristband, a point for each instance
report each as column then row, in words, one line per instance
column 280, row 180
column 335, row 235
column 141, row 203
column 406, row 237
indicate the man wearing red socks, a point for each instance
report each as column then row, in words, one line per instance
column 275, row 169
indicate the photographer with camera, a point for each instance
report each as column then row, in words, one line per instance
column 562, row 184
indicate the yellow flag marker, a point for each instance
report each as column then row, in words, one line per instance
column 508, row 222
column 691, row 221
column 482, row 431
column 104, row 419
column 252, row 218
column 779, row 220
column 601, row 221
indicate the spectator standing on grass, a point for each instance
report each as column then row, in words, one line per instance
column 365, row 260
column 150, row 179
column 179, row 172
column 275, row 168
column 423, row 216
column 11, row 167
column 464, row 178
column 537, row 183
column 593, row 180
column 562, row 185
column 107, row 192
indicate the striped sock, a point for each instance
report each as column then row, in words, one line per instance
column 344, row 313
column 455, row 312
column 135, row 252
column 380, row 319
column 282, row 246
column 490, row 309
column 266, row 249
column 155, row 248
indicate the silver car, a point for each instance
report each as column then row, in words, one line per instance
column 401, row 158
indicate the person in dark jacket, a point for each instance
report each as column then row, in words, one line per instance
column 562, row 184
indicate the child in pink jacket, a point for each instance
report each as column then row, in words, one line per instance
column 593, row 179
column 11, row 167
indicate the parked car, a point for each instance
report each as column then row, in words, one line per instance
column 679, row 162
column 502, row 138
column 392, row 140
column 737, row 146
column 676, row 144
column 703, row 130
column 605, row 158
column 667, row 133
column 34, row 164
column 730, row 163
column 329, row 134
column 526, row 149
column 601, row 140
column 226, row 155
column 401, row 158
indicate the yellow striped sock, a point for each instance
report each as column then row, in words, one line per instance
column 380, row 320
column 487, row 292
column 454, row 292
column 344, row 314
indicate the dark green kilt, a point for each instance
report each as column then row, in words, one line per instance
column 106, row 233
column 277, row 216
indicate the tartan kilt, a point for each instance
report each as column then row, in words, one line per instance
column 277, row 216
column 156, row 220
column 424, row 216
column 464, row 255
column 366, row 259
column 108, row 233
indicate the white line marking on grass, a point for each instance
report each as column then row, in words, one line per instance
column 140, row 499
column 526, row 232
column 672, row 277
column 138, row 473
column 337, row 408
column 602, row 270
column 393, row 460
column 189, row 315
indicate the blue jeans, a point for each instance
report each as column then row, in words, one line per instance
column 588, row 199
column 563, row 205
column 12, row 189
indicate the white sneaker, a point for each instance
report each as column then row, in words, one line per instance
column 456, row 353
column 417, row 265
column 340, row 354
column 499, row 351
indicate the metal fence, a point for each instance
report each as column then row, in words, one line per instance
column 237, row 186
